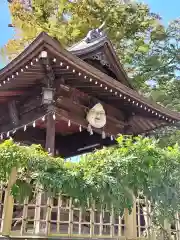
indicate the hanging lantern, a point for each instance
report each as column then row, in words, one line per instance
column 48, row 95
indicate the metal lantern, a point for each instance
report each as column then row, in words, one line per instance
column 48, row 95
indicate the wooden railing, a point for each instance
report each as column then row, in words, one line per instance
column 60, row 216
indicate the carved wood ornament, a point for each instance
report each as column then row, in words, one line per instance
column 96, row 117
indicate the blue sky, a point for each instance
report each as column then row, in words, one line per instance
column 6, row 32
column 167, row 9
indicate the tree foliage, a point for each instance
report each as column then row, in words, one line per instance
column 148, row 50
column 132, row 28
column 161, row 64
column 150, row 53
column 109, row 176
column 69, row 21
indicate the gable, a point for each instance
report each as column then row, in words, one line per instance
column 99, row 52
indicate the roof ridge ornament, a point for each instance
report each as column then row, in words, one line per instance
column 95, row 34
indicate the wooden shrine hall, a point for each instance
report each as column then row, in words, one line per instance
column 86, row 79
column 72, row 101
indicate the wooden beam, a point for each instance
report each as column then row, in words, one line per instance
column 81, row 110
column 10, row 93
column 85, row 100
column 30, row 106
column 78, row 104
column 80, row 120
column 26, row 118
column 71, row 100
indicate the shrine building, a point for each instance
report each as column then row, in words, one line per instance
column 72, row 101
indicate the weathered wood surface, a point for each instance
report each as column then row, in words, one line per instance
column 61, row 218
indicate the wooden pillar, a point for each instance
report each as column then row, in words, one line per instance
column 50, row 134
column 130, row 223
column 8, row 205
column 50, row 147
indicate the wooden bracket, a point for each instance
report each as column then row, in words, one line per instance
column 48, row 70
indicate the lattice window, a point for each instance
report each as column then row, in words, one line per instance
column 60, row 215
column 143, row 210
column 23, row 217
column 145, row 225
